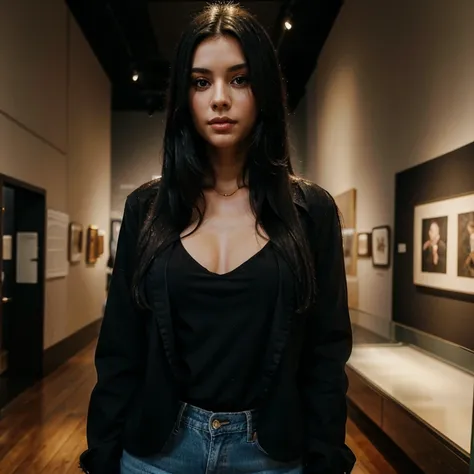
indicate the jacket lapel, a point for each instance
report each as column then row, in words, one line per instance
column 282, row 320
column 159, row 297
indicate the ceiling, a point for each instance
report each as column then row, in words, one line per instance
column 140, row 35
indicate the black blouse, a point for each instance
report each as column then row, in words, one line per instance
column 221, row 325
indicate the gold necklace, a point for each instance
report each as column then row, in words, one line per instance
column 227, row 194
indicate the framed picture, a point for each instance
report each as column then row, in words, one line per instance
column 364, row 244
column 381, row 246
column 348, row 243
column 76, row 233
column 92, row 244
column 466, row 244
column 346, row 203
column 443, row 244
column 100, row 243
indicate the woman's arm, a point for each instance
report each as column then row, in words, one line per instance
column 326, row 350
column 119, row 356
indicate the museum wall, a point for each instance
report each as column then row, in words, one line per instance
column 136, row 153
column 55, row 134
column 392, row 89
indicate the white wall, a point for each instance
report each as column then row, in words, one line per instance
column 55, row 134
column 394, row 87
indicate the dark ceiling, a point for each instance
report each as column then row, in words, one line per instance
column 140, row 35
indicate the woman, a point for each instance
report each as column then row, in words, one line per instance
column 226, row 332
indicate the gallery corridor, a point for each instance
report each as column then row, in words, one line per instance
column 43, row 431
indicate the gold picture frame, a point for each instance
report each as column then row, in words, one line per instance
column 92, row 244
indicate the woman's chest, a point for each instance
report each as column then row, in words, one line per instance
column 222, row 243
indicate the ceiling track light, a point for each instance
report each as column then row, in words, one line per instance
column 135, row 76
column 288, row 25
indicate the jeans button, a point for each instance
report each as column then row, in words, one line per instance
column 216, row 424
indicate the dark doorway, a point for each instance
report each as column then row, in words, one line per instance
column 22, row 270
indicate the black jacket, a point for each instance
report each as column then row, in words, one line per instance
column 302, row 411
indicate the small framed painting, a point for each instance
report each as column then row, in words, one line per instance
column 75, row 241
column 381, row 246
column 364, row 244
column 92, row 244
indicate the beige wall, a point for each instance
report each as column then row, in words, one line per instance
column 393, row 88
column 55, row 134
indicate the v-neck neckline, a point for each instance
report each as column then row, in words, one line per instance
column 230, row 272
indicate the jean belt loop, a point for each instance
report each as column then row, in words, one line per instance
column 180, row 416
column 248, row 414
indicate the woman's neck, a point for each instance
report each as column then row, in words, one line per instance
column 227, row 167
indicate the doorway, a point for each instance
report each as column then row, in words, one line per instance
column 22, row 270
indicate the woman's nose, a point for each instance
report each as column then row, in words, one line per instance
column 220, row 99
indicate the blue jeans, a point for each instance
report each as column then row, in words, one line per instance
column 204, row 442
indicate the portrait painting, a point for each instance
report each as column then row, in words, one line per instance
column 443, row 244
column 434, row 241
column 466, row 245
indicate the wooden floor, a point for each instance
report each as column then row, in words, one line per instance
column 43, row 430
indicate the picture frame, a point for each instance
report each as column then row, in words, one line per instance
column 100, row 243
column 443, row 244
column 346, row 204
column 92, row 244
column 381, row 246
column 76, row 238
column 364, row 244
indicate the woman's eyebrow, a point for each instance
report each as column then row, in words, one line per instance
column 202, row 70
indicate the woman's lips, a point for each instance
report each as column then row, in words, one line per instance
column 222, row 126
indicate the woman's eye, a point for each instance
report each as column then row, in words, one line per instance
column 241, row 80
column 200, row 83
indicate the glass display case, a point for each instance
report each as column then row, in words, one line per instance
column 419, row 391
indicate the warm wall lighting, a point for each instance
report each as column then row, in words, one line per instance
column 288, row 25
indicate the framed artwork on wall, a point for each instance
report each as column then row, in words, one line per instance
column 75, row 241
column 443, row 244
column 364, row 244
column 348, row 242
column 57, row 241
column 346, row 203
column 100, row 243
column 381, row 246
column 92, row 244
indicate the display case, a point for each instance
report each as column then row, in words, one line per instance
column 424, row 404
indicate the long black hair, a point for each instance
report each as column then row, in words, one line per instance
column 268, row 169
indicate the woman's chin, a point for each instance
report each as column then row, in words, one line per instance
column 223, row 141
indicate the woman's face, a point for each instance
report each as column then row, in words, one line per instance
column 221, row 99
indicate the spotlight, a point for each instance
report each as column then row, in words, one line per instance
column 135, row 76
column 288, row 25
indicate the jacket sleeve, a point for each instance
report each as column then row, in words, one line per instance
column 327, row 347
column 119, row 357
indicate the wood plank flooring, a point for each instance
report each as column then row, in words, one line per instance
column 43, row 430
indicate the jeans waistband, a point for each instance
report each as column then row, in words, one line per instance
column 218, row 422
